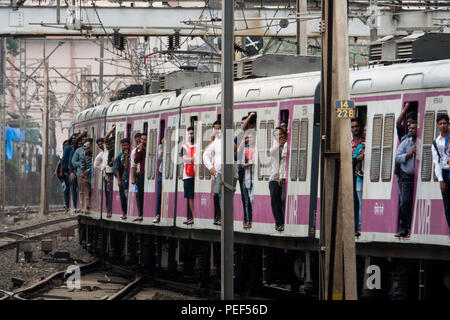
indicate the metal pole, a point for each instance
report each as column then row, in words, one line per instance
column 227, row 150
column 23, row 115
column 100, row 71
column 302, row 29
column 2, row 128
column 373, row 29
column 44, row 164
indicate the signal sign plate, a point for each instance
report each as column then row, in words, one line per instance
column 345, row 109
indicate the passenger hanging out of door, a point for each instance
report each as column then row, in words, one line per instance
column 249, row 169
column 188, row 152
column 139, row 159
column 212, row 158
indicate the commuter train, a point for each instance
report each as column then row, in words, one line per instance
column 379, row 94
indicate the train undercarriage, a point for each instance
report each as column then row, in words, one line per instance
column 283, row 268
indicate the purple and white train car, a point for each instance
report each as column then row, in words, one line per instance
column 379, row 94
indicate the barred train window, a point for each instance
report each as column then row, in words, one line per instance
column 169, row 145
column 303, row 150
column 261, row 148
column 376, row 148
column 427, row 154
column 388, row 141
column 120, row 136
column 270, row 127
column 154, row 151
column 150, row 154
column 294, row 149
column 201, row 169
column 436, row 135
column 182, row 133
column 206, row 132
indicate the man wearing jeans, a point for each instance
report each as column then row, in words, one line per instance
column 406, row 155
column 139, row 160
column 441, row 159
column 121, row 170
column 215, row 150
column 159, row 191
column 275, row 183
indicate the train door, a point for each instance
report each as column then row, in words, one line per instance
column 267, row 120
column 429, row 218
column 203, row 199
column 171, row 123
column 189, row 119
column 119, row 134
column 299, row 122
column 137, row 127
column 155, row 127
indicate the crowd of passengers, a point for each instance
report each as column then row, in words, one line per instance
column 75, row 170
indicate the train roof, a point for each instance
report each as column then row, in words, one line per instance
column 398, row 77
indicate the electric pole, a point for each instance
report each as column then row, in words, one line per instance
column 2, row 128
column 337, row 242
column 44, row 163
column 302, row 28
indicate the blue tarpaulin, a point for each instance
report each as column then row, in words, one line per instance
column 12, row 134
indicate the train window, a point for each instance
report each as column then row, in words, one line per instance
column 168, row 165
column 129, row 132
column 284, row 116
column 145, row 130
column 361, row 114
column 270, row 128
column 294, row 149
column 261, row 148
column 120, row 136
column 194, row 120
column 427, row 155
column 388, row 141
column 436, row 135
column 152, row 153
column 182, row 140
column 377, row 131
column 209, row 129
column 201, row 171
column 303, row 150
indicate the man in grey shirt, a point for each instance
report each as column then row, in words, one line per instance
column 406, row 156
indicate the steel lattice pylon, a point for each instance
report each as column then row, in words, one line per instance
column 2, row 128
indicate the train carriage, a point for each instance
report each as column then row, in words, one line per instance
column 379, row 95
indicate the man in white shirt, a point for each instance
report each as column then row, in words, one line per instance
column 276, row 183
column 441, row 162
column 214, row 153
column 99, row 158
column 134, row 168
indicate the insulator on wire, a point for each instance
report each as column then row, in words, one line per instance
column 177, row 39
column 116, row 39
column 121, row 43
column 170, row 42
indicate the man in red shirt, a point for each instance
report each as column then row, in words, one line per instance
column 139, row 158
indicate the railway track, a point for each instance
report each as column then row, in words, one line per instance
column 12, row 237
column 12, row 211
column 101, row 280
column 98, row 281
